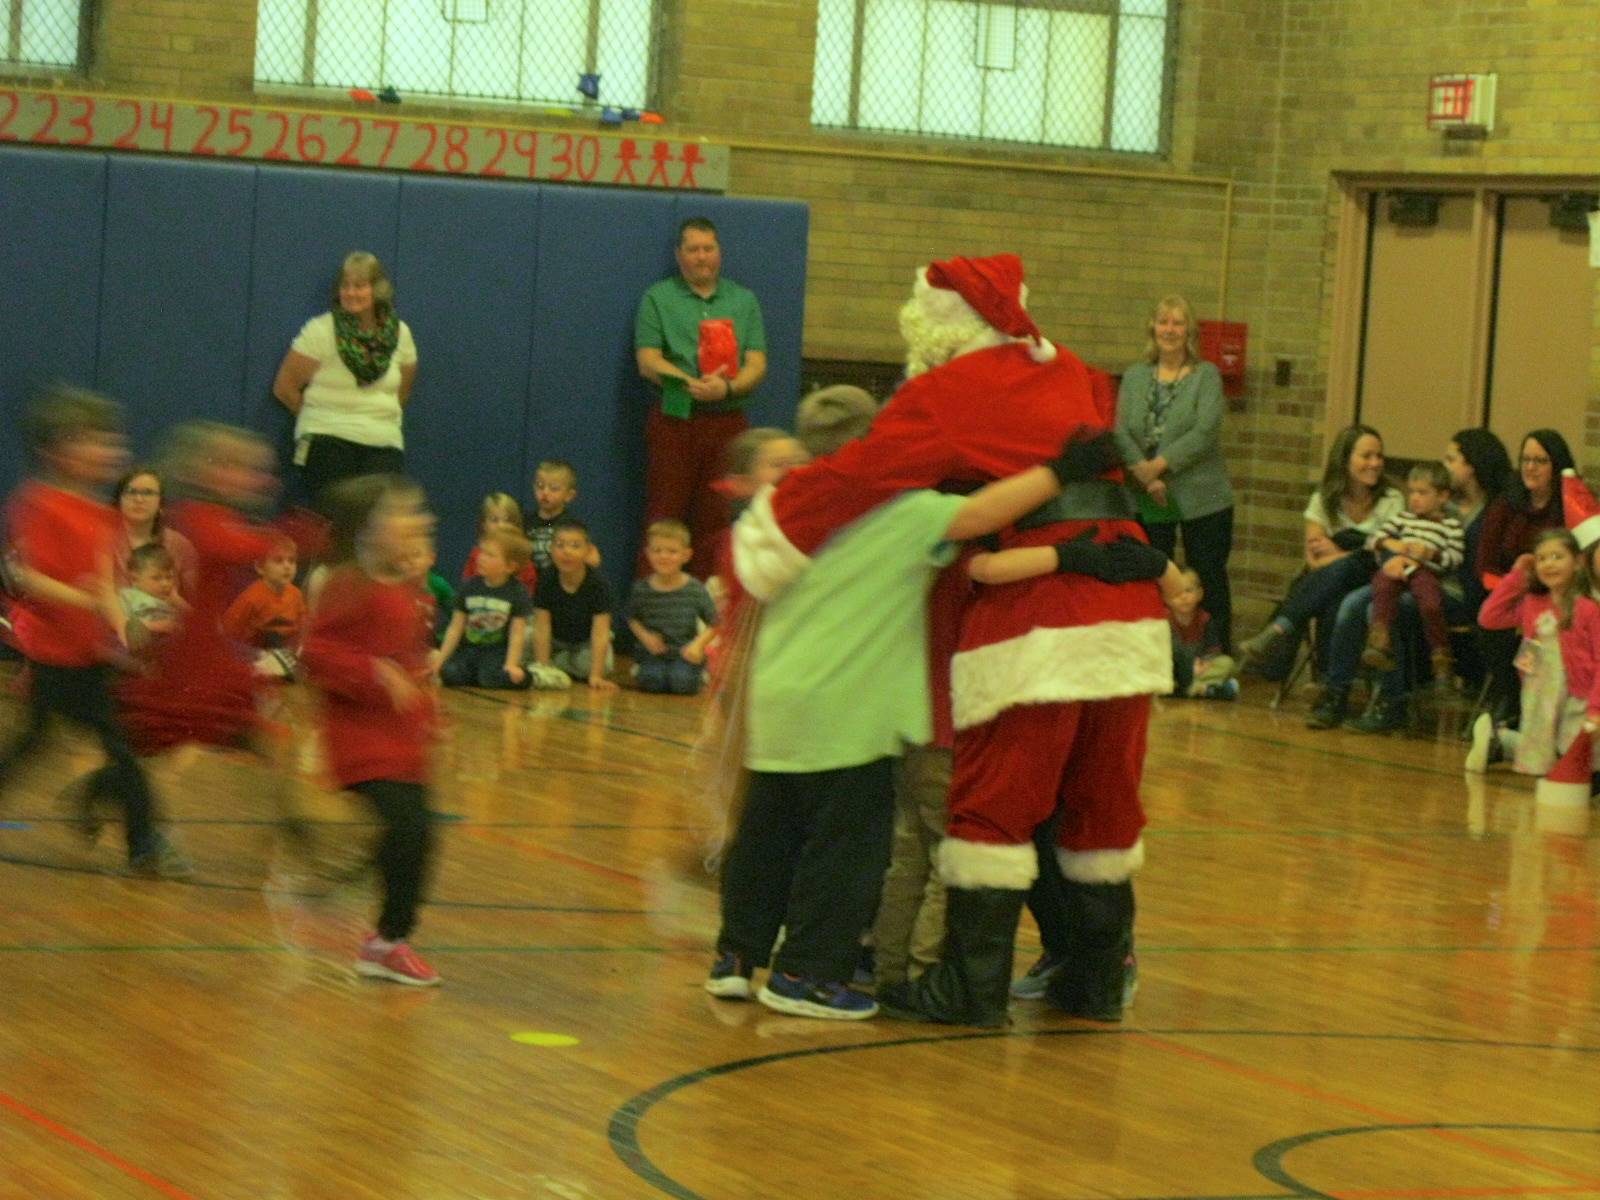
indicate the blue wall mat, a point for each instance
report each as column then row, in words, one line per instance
column 306, row 221
column 764, row 248
column 598, row 251
column 465, row 275
column 51, row 207
column 174, row 292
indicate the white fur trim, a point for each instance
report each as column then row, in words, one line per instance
column 1058, row 666
column 1587, row 531
column 964, row 864
column 1101, row 866
column 763, row 557
column 1561, row 795
column 1042, row 351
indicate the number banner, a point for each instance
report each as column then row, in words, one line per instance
column 379, row 141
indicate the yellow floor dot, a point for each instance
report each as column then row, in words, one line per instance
column 544, row 1039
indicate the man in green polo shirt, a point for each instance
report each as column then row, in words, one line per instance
column 700, row 340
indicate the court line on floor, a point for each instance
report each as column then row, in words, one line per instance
column 622, row 1129
column 580, row 716
column 454, row 820
column 74, row 1138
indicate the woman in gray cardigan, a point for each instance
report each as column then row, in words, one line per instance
column 1169, row 427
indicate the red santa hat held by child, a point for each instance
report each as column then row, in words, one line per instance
column 1581, row 508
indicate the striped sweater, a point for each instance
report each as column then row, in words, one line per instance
column 1444, row 535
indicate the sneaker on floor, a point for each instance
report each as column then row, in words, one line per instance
column 549, row 678
column 1032, row 984
column 801, row 997
column 1228, row 689
column 161, row 860
column 729, row 978
column 1485, row 745
column 395, row 961
column 1384, row 715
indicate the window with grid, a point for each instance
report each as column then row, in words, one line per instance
column 521, row 50
column 1084, row 73
column 43, row 33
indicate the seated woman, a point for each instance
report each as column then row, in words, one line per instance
column 1352, row 501
column 1479, row 469
column 1530, row 504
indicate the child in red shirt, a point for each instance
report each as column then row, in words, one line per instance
column 500, row 511
column 270, row 614
column 61, row 543
column 367, row 653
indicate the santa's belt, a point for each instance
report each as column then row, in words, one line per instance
column 1092, row 500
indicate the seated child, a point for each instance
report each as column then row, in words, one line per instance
column 1200, row 670
column 1419, row 550
column 500, row 511
column 436, row 599
column 572, row 615
column 483, row 645
column 555, row 487
column 666, row 611
column 150, row 604
column 270, row 614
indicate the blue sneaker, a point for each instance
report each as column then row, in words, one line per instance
column 729, row 978
column 1228, row 689
column 1032, row 985
column 814, row 998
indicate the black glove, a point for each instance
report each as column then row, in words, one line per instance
column 1087, row 459
column 1126, row 560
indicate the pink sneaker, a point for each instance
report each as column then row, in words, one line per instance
column 400, row 964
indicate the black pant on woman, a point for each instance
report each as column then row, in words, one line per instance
column 405, row 849
column 808, row 857
column 1207, row 542
column 330, row 459
column 83, row 695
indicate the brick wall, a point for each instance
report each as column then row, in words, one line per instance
column 1276, row 95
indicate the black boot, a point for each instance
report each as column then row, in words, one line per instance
column 971, row 982
column 1090, row 982
column 1331, row 710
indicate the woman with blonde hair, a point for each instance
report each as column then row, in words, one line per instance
column 347, row 378
column 1169, row 430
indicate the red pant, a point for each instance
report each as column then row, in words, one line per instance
column 686, row 458
column 1429, row 595
column 1088, row 757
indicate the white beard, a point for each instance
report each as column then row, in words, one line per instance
column 934, row 339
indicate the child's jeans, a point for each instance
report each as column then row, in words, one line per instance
column 479, row 666
column 1425, row 587
column 669, row 672
column 909, row 931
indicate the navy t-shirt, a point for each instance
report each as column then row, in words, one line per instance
column 490, row 609
column 572, row 614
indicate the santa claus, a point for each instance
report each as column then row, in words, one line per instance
column 1052, row 683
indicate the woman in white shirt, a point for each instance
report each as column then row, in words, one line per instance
column 347, row 377
column 1352, row 501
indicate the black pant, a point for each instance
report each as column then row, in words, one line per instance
column 83, row 695
column 1047, row 898
column 809, row 856
column 404, row 852
column 330, row 459
column 1207, row 542
column 1498, row 649
column 479, row 666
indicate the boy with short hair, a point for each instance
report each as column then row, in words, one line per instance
column 150, row 601
column 61, row 537
column 555, row 487
column 671, row 614
column 572, row 614
column 483, row 645
column 270, row 614
column 1200, row 670
column 1419, row 549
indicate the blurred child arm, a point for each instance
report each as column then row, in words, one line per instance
column 1008, row 566
column 599, row 646
column 452, row 639
column 515, row 639
column 1503, row 607
column 541, row 636
column 999, row 504
column 695, row 651
column 648, row 638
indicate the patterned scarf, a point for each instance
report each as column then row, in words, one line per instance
column 1155, row 420
column 367, row 354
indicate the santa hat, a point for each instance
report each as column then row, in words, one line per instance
column 993, row 288
column 1567, row 784
column 1581, row 508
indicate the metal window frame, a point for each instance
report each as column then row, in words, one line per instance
column 13, row 35
column 1111, row 9
column 653, row 40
